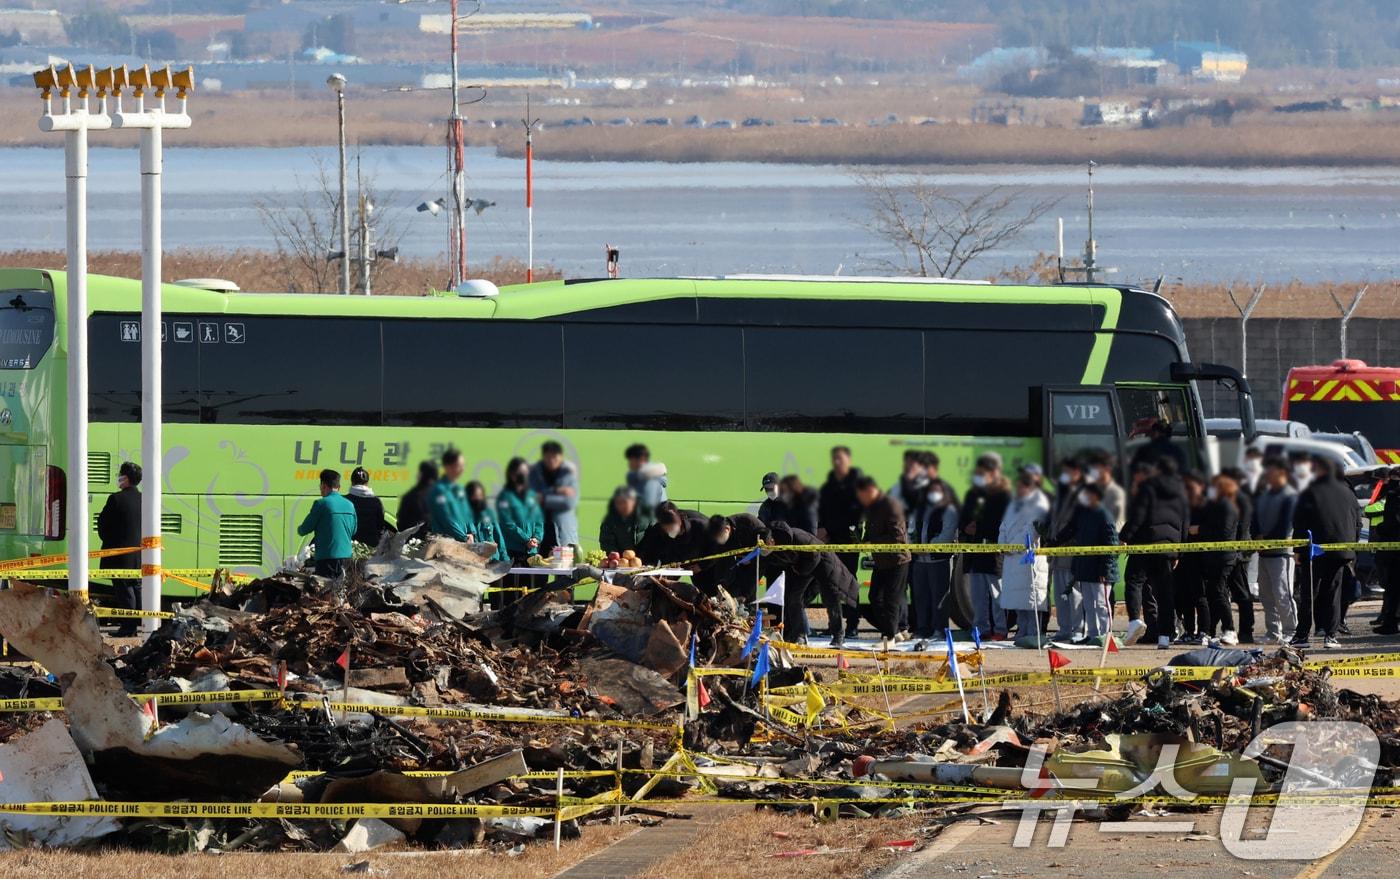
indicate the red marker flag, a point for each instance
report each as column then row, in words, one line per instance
column 1057, row 660
column 842, row 662
column 702, row 695
column 344, row 659
column 1112, row 645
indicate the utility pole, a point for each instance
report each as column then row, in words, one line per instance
column 1091, row 247
column 529, row 124
column 151, row 121
column 75, row 122
column 457, row 246
column 337, row 83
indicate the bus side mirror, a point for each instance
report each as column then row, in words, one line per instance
column 1231, row 379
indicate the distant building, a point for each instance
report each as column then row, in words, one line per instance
column 1210, row 61
column 34, row 26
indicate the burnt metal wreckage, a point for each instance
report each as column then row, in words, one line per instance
column 403, row 685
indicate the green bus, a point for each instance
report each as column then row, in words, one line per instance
column 723, row 378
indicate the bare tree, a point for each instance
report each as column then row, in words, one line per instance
column 937, row 233
column 304, row 229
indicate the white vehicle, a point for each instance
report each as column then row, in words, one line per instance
column 1227, row 433
column 1283, row 446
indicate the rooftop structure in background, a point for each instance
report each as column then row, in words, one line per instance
column 1205, row 60
column 502, row 21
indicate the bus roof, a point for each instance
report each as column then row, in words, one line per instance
column 560, row 298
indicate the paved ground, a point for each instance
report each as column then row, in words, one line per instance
column 633, row 854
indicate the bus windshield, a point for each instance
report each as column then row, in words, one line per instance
column 26, row 328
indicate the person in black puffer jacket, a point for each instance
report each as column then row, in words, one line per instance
column 1327, row 512
column 1158, row 512
column 1220, row 521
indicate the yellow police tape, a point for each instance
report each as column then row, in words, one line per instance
column 43, row 561
column 476, row 714
column 184, row 575
column 335, row 811
column 126, row 613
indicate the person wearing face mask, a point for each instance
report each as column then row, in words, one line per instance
column 930, row 574
column 1219, row 522
column 1326, row 513
column 984, row 505
column 1273, row 520
column 1302, row 469
column 1069, row 614
column 484, row 523
column 1115, row 499
column 119, row 527
column 913, row 482
column 1158, row 512
column 1190, row 593
column 518, row 513
column 801, row 503
column 1025, row 588
column 773, row 509
column 1095, row 575
column 1242, row 575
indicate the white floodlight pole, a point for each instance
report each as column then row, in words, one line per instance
column 337, row 83
column 75, row 122
column 151, row 122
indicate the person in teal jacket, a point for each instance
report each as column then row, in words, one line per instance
column 332, row 520
column 484, row 524
column 448, row 514
column 518, row 513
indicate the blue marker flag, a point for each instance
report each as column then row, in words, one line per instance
column 750, row 557
column 1313, row 549
column 976, row 638
column 693, row 640
column 1029, row 557
column 760, row 666
column 750, row 644
column 952, row 655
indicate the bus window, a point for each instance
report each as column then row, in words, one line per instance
column 1143, row 406
column 26, row 327
column 288, row 370
column 678, row 378
column 852, row 380
column 465, row 373
column 1081, row 421
column 976, row 381
column 114, row 373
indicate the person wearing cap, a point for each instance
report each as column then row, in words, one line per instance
column 624, row 525
column 984, row 505
column 331, row 522
column 119, row 527
column 913, row 482
column 413, row 505
column 369, row 509
column 773, row 509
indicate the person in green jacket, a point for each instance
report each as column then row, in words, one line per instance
column 624, row 525
column 332, row 521
column 518, row 513
column 448, row 514
column 484, row 524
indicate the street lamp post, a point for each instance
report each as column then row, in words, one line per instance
column 337, row 83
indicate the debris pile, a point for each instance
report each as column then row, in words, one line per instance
column 402, row 686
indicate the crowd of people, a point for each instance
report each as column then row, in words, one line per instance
column 1171, row 597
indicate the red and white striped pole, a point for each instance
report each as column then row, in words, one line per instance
column 529, row 194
